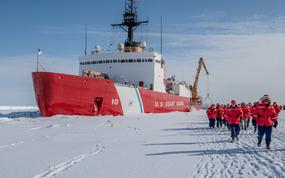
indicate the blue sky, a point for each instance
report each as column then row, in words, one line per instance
column 57, row 25
column 226, row 32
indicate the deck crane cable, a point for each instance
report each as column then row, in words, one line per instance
column 208, row 91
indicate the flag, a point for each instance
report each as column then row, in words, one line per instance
column 39, row 52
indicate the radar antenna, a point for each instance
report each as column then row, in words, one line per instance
column 130, row 23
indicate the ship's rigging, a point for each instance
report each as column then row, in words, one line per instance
column 130, row 24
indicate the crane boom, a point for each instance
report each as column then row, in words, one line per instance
column 194, row 88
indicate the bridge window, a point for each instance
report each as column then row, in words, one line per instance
column 150, row 60
column 115, row 60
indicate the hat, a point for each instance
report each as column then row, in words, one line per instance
column 233, row 102
column 264, row 98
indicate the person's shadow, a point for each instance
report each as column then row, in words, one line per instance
column 233, row 151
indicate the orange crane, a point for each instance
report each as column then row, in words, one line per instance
column 196, row 99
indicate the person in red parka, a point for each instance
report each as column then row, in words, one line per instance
column 245, row 116
column 212, row 115
column 224, row 111
column 234, row 114
column 254, row 112
column 249, row 105
column 220, row 115
column 277, row 109
column 266, row 118
column 226, row 116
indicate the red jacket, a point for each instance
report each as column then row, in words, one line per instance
column 212, row 113
column 266, row 115
column 234, row 114
column 277, row 109
column 254, row 112
column 246, row 112
column 226, row 113
column 220, row 113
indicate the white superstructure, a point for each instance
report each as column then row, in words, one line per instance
column 132, row 64
column 144, row 69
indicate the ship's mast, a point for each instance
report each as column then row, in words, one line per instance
column 130, row 22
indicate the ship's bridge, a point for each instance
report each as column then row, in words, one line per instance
column 140, row 69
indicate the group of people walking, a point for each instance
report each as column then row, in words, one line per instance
column 263, row 114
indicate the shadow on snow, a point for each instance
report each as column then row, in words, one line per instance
column 234, row 151
column 28, row 114
column 184, row 143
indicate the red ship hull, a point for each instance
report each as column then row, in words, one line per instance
column 76, row 95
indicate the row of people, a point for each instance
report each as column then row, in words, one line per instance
column 264, row 116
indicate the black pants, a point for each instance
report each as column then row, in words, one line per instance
column 219, row 122
column 247, row 123
column 234, row 130
column 227, row 124
column 212, row 123
column 254, row 123
column 267, row 130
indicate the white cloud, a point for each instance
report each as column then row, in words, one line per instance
column 241, row 66
column 245, row 56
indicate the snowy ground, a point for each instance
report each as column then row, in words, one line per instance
column 164, row 145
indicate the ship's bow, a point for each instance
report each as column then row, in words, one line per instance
column 41, row 83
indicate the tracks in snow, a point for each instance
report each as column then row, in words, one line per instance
column 61, row 167
column 240, row 159
column 11, row 145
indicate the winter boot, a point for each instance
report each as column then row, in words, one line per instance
column 233, row 139
column 237, row 138
column 259, row 143
column 268, row 146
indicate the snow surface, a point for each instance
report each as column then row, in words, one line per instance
column 162, row 145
